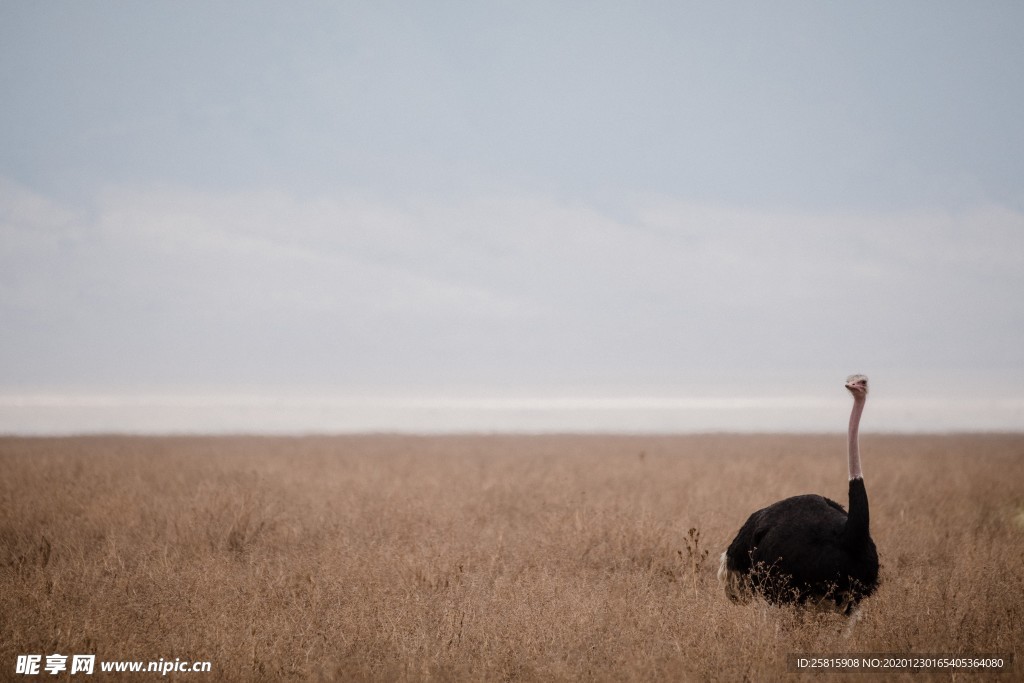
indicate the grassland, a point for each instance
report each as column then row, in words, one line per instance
column 487, row 557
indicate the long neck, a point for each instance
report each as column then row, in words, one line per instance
column 857, row 521
column 854, row 448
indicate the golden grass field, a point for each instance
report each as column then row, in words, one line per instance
column 487, row 558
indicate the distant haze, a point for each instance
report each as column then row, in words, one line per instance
column 510, row 216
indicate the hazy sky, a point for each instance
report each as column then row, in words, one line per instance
column 512, row 197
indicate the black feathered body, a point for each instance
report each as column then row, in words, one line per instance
column 807, row 548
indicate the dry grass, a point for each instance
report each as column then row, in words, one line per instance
column 486, row 558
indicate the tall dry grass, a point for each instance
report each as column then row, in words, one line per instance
column 486, row 558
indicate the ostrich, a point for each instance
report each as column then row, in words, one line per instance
column 807, row 548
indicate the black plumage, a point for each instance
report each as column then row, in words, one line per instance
column 808, row 548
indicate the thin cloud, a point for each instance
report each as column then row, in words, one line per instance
column 507, row 290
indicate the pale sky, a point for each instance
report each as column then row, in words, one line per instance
column 511, row 198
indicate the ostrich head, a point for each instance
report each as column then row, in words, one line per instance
column 857, row 385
